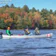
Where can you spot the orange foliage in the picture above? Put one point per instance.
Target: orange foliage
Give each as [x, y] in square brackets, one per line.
[30, 15]
[4, 15]
[8, 20]
[17, 12]
[53, 18]
[37, 16]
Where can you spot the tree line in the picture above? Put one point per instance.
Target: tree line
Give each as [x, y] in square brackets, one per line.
[19, 18]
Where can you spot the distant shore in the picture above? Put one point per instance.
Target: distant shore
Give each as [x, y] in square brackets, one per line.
[29, 29]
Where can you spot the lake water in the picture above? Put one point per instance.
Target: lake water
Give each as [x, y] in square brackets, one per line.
[28, 47]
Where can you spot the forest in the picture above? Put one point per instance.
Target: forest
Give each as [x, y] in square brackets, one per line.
[19, 18]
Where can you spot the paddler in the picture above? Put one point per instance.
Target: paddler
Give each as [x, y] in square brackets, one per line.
[8, 31]
[26, 31]
[37, 32]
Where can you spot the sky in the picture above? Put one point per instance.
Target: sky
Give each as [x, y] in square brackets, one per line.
[37, 4]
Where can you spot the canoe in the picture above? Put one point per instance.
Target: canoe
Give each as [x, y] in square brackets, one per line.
[49, 35]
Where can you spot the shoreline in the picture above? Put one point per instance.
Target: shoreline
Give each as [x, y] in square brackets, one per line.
[29, 29]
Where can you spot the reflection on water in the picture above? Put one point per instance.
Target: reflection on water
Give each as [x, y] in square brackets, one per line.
[29, 47]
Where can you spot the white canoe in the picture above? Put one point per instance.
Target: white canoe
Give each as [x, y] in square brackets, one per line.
[27, 36]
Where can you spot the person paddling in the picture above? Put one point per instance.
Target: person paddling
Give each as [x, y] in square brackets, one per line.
[8, 31]
[37, 32]
[26, 31]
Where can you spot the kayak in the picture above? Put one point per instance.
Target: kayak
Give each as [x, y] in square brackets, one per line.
[49, 35]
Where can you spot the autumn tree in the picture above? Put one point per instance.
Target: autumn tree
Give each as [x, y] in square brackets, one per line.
[2, 24]
[25, 8]
[33, 9]
[44, 14]
[12, 6]
[6, 6]
[55, 12]
[37, 18]
[51, 12]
